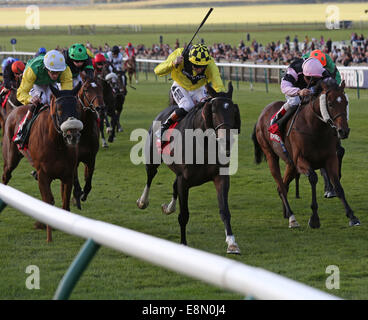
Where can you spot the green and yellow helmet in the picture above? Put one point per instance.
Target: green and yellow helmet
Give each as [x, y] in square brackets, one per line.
[199, 55]
[78, 52]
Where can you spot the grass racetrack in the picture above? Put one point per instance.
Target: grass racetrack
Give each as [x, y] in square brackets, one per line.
[258, 225]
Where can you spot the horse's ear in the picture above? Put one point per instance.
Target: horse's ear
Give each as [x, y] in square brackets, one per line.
[55, 91]
[211, 92]
[342, 85]
[207, 115]
[230, 90]
[237, 117]
[77, 88]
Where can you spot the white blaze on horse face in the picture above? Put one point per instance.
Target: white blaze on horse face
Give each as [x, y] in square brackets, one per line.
[339, 99]
[226, 106]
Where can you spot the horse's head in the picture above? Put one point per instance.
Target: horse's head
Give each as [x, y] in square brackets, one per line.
[66, 114]
[116, 83]
[334, 106]
[90, 96]
[222, 115]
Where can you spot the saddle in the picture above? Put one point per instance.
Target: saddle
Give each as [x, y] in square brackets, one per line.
[27, 128]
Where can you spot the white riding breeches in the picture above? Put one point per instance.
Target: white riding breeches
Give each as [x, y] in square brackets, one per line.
[44, 89]
[187, 99]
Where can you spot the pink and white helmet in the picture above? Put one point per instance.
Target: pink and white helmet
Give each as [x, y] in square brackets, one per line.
[312, 68]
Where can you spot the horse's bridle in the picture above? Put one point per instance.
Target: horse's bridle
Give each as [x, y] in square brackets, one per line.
[223, 123]
[55, 118]
[90, 103]
[330, 121]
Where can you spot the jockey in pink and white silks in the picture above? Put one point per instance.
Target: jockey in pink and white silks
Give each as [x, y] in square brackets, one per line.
[300, 76]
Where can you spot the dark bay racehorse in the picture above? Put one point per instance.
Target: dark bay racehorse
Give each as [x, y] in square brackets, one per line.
[217, 113]
[310, 145]
[130, 66]
[52, 145]
[114, 91]
[90, 101]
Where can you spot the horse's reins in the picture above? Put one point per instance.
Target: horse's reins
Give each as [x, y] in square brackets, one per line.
[90, 103]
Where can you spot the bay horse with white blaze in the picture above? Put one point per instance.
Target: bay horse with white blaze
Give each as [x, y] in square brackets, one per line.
[218, 115]
[52, 145]
[310, 145]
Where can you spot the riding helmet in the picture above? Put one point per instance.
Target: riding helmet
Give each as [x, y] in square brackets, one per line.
[199, 55]
[54, 61]
[78, 52]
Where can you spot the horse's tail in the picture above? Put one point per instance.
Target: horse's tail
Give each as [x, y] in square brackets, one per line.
[258, 153]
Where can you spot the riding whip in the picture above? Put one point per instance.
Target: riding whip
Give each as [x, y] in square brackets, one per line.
[186, 49]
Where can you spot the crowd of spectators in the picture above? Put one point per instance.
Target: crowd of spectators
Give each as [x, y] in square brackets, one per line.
[353, 52]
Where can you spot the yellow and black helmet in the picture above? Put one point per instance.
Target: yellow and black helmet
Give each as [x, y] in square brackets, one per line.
[199, 55]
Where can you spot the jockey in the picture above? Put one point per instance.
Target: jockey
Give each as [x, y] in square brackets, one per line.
[78, 60]
[40, 51]
[11, 73]
[115, 58]
[40, 73]
[326, 62]
[190, 73]
[297, 82]
[98, 62]
[129, 50]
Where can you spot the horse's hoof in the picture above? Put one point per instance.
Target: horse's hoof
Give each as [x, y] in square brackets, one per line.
[120, 129]
[330, 194]
[39, 225]
[77, 203]
[34, 174]
[233, 249]
[104, 145]
[83, 196]
[293, 224]
[314, 224]
[142, 205]
[167, 210]
[110, 139]
[354, 222]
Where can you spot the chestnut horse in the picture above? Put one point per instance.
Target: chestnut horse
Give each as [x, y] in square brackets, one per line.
[310, 145]
[218, 115]
[52, 145]
[91, 102]
[130, 65]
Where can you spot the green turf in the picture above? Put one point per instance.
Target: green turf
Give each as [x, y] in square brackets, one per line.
[258, 225]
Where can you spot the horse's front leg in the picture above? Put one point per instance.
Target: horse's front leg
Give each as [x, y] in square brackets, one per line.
[222, 184]
[77, 190]
[332, 170]
[329, 190]
[183, 218]
[89, 169]
[66, 191]
[44, 184]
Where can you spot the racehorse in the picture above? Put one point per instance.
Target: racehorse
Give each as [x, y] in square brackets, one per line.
[114, 91]
[130, 65]
[9, 103]
[218, 112]
[310, 145]
[52, 145]
[91, 102]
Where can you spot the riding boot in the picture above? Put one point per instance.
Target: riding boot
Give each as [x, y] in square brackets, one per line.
[277, 125]
[175, 116]
[21, 135]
